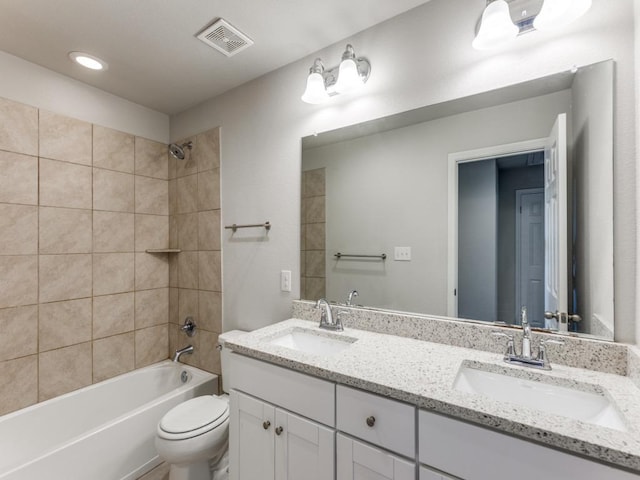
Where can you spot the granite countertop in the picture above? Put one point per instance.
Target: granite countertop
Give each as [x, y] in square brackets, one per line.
[423, 373]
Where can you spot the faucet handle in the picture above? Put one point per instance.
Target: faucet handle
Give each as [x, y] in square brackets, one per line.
[542, 351]
[511, 351]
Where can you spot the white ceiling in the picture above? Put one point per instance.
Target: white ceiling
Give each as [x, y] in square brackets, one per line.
[153, 54]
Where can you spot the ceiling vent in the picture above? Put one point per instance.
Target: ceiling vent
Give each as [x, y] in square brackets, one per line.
[224, 37]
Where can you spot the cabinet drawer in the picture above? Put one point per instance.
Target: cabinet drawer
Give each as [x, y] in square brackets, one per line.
[356, 460]
[476, 453]
[309, 396]
[378, 420]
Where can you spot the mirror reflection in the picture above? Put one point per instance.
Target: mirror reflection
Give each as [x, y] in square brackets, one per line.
[472, 208]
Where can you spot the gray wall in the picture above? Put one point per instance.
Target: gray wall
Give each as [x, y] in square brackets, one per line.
[478, 240]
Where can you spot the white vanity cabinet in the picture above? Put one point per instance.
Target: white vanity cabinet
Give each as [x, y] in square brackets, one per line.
[270, 443]
[472, 452]
[356, 460]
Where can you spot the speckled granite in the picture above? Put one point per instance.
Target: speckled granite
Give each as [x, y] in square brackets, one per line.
[423, 373]
[580, 352]
[633, 364]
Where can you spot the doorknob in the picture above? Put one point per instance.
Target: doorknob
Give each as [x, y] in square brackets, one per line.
[550, 315]
[572, 317]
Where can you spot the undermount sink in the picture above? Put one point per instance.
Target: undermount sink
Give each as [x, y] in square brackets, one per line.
[312, 341]
[571, 401]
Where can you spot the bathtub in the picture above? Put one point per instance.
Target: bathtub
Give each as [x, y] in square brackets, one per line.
[104, 431]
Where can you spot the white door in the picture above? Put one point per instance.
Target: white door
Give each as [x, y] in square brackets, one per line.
[304, 449]
[359, 461]
[556, 247]
[251, 438]
[530, 254]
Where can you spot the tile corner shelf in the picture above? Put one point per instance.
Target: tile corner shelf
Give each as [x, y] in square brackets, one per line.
[163, 250]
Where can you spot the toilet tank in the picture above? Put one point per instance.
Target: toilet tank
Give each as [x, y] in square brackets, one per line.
[224, 353]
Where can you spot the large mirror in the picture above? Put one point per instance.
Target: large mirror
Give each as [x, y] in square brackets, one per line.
[473, 208]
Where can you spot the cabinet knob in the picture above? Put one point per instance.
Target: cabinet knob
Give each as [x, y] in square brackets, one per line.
[279, 430]
[371, 421]
[266, 424]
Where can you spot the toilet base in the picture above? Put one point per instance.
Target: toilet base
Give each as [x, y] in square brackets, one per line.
[192, 471]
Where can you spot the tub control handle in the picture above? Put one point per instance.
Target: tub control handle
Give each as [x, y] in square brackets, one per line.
[266, 424]
[371, 421]
[279, 430]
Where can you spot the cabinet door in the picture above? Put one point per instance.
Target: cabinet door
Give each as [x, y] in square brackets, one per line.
[304, 449]
[251, 438]
[359, 461]
[428, 474]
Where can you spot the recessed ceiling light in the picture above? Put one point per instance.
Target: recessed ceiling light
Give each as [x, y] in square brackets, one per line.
[88, 61]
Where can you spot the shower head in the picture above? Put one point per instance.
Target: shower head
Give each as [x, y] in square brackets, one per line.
[178, 150]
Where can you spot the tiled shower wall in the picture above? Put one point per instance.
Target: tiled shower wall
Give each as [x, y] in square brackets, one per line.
[80, 300]
[313, 243]
[195, 273]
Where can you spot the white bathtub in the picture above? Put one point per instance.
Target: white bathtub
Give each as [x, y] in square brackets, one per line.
[102, 432]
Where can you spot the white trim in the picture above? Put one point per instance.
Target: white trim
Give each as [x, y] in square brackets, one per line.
[467, 156]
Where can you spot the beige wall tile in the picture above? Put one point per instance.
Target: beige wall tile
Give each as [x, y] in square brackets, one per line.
[113, 191]
[315, 287]
[173, 270]
[18, 127]
[113, 232]
[113, 273]
[18, 178]
[174, 299]
[113, 314]
[18, 229]
[152, 345]
[64, 370]
[64, 323]
[152, 159]
[173, 166]
[152, 231]
[314, 182]
[65, 138]
[209, 271]
[207, 151]
[64, 277]
[64, 230]
[188, 270]
[188, 305]
[113, 356]
[209, 230]
[315, 210]
[206, 356]
[152, 196]
[113, 150]
[19, 337]
[210, 311]
[315, 263]
[173, 196]
[64, 184]
[187, 229]
[187, 194]
[18, 280]
[152, 307]
[152, 271]
[188, 166]
[18, 383]
[315, 236]
[173, 231]
[209, 190]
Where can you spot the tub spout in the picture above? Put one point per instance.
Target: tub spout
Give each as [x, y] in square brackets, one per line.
[186, 350]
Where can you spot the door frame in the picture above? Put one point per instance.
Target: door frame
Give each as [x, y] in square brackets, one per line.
[518, 297]
[454, 159]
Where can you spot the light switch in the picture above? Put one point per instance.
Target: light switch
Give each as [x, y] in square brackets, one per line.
[285, 280]
[402, 254]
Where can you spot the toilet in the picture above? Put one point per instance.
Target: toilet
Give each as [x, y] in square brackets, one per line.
[193, 437]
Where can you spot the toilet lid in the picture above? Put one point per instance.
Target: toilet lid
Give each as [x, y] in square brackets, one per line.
[195, 414]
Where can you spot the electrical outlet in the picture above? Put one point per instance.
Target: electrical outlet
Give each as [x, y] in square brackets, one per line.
[402, 254]
[285, 280]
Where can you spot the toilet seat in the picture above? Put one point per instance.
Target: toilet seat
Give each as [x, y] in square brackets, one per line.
[193, 417]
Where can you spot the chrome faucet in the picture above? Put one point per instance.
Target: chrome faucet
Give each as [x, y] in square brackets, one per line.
[526, 333]
[188, 350]
[352, 293]
[326, 317]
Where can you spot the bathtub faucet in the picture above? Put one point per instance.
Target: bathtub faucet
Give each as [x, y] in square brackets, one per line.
[186, 350]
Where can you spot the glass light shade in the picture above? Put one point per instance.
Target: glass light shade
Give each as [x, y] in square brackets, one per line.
[496, 27]
[348, 76]
[558, 13]
[88, 61]
[315, 92]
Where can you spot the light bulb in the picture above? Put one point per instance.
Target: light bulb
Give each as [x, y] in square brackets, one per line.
[496, 27]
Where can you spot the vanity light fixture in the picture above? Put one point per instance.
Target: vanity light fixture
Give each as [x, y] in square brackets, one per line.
[351, 74]
[497, 27]
[88, 61]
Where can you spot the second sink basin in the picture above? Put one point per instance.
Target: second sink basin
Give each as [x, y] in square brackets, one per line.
[571, 401]
[313, 342]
